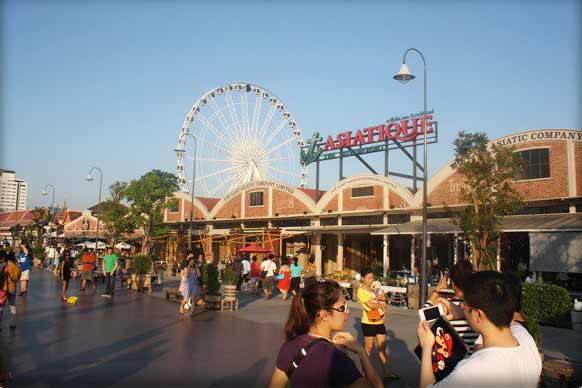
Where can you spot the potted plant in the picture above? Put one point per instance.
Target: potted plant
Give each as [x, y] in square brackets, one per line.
[212, 297]
[230, 281]
[141, 267]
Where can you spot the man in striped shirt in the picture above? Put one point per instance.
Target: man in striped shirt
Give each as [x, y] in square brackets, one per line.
[459, 274]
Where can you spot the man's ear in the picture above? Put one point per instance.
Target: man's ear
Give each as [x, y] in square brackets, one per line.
[479, 315]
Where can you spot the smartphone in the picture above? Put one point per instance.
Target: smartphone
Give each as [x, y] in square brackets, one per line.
[431, 313]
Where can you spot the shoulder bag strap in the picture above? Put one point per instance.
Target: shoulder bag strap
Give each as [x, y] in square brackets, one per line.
[294, 364]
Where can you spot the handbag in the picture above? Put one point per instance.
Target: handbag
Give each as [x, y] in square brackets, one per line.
[3, 292]
[373, 315]
[281, 276]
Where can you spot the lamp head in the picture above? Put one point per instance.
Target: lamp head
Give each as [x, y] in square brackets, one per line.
[89, 178]
[404, 74]
[44, 192]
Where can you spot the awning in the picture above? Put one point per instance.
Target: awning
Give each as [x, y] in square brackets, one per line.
[560, 222]
[354, 229]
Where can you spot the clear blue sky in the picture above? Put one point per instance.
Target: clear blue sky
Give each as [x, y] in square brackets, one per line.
[108, 83]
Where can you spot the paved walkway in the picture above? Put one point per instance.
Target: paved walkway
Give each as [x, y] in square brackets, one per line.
[140, 340]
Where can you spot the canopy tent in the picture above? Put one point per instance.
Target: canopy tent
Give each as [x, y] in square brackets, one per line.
[254, 248]
[84, 244]
[100, 245]
[122, 245]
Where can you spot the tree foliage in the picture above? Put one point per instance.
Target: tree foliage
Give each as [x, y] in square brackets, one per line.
[488, 171]
[117, 217]
[149, 196]
[40, 218]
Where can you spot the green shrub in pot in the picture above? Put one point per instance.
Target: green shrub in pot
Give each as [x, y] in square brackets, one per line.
[229, 278]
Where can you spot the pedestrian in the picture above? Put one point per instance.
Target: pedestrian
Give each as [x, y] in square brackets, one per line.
[237, 268]
[459, 274]
[296, 269]
[509, 357]
[372, 323]
[284, 278]
[66, 271]
[310, 272]
[161, 271]
[255, 275]
[57, 260]
[5, 375]
[189, 287]
[11, 275]
[109, 267]
[25, 263]
[246, 264]
[268, 268]
[88, 261]
[311, 355]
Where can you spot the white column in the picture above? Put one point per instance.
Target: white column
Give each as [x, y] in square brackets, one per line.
[386, 254]
[316, 251]
[340, 251]
[243, 199]
[499, 253]
[456, 248]
[270, 209]
[412, 258]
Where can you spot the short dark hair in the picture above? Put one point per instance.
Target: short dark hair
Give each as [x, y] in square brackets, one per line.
[490, 292]
[366, 270]
[460, 272]
[514, 285]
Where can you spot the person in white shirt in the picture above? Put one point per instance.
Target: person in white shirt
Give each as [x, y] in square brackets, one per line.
[508, 357]
[246, 264]
[268, 268]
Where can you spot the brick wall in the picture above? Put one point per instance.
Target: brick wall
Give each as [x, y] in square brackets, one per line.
[286, 204]
[447, 192]
[257, 211]
[395, 201]
[363, 203]
[230, 208]
[578, 161]
[554, 186]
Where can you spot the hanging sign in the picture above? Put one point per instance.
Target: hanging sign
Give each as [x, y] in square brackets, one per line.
[397, 132]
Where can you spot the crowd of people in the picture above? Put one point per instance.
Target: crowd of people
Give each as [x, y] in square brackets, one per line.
[485, 311]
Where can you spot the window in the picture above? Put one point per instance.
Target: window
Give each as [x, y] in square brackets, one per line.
[366, 191]
[363, 220]
[257, 198]
[173, 207]
[536, 164]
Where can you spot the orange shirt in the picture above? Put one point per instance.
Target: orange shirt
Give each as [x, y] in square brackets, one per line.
[88, 261]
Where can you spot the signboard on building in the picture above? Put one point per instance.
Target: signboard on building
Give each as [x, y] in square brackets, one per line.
[397, 132]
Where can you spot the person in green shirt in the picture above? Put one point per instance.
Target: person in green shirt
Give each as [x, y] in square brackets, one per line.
[109, 268]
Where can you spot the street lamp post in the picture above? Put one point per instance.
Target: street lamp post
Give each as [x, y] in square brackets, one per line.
[90, 179]
[44, 192]
[404, 76]
[180, 148]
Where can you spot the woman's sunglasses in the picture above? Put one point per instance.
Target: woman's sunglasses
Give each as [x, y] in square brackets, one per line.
[342, 309]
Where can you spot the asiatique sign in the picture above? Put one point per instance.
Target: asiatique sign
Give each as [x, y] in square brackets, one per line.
[396, 131]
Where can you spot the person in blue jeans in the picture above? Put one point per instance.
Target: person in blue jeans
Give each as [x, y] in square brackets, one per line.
[25, 264]
[296, 269]
[110, 265]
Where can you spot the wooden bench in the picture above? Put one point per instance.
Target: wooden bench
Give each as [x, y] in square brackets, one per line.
[173, 292]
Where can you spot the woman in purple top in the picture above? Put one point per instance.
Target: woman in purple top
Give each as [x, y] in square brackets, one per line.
[310, 356]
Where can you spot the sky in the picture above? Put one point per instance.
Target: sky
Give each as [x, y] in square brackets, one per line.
[108, 84]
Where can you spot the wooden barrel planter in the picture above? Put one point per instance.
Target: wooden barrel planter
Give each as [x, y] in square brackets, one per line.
[230, 297]
[212, 301]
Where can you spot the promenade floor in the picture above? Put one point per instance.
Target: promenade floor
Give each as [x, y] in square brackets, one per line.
[140, 340]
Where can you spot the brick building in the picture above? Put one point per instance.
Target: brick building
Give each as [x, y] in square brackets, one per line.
[371, 219]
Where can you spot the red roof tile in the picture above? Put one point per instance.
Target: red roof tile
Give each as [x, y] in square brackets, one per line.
[312, 193]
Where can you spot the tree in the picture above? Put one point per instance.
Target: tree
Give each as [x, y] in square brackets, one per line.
[488, 171]
[117, 217]
[149, 196]
[40, 219]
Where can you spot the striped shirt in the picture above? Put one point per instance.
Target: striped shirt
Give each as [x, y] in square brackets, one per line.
[468, 335]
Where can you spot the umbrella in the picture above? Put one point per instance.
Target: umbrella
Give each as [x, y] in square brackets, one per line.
[254, 248]
[122, 245]
[100, 245]
[85, 243]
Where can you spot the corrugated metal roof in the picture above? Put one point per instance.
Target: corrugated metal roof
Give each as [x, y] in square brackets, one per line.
[561, 222]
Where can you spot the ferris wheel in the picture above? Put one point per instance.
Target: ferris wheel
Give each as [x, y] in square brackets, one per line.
[242, 133]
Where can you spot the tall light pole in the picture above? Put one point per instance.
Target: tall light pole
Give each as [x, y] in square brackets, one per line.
[404, 76]
[90, 179]
[44, 192]
[180, 149]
